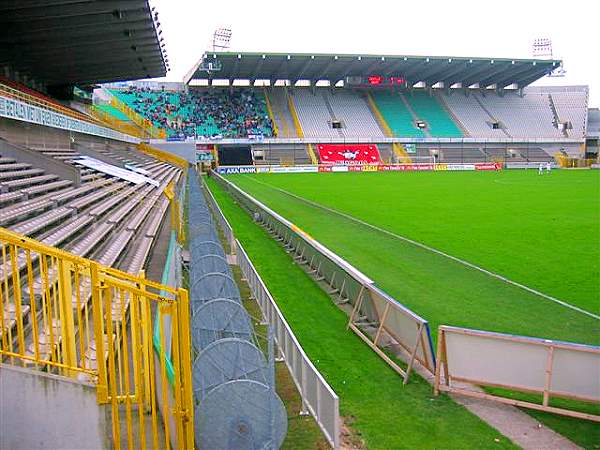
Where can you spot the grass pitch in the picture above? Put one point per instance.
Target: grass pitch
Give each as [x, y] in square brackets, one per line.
[540, 231]
[383, 413]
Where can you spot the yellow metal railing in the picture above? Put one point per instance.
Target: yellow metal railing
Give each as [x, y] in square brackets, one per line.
[379, 117]
[74, 317]
[116, 124]
[401, 154]
[271, 114]
[139, 120]
[292, 108]
[163, 155]
[312, 154]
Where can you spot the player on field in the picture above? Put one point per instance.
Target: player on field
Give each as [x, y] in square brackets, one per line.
[548, 167]
[541, 169]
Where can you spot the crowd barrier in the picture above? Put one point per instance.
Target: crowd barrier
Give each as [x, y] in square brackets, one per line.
[375, 317]
[318, 398]
[518, 363]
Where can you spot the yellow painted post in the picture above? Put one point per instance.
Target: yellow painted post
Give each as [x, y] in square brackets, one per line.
[17, 298]
[67, 324]
[164, 309]
[146, 344]
[186, 366]
[294, 114]
[312, 154]
[270, 112]
[137, 349]
[401, 153]
[179, 411]
[98, 315]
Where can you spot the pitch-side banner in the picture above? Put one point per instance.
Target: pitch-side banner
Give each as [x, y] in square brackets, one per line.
[330, 168]
[348, 154]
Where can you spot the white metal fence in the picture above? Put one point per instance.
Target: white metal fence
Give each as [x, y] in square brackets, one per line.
[317, 396]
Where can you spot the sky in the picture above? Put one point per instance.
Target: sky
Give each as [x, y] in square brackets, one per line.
[434, 28]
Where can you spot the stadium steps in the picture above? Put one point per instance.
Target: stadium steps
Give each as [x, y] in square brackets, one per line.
[442, 101]
[556, 119]
[396, 115]
[490, 115]
[279, 104]
[428, 108]
[327, 103]
[85, 243]
[413, 113]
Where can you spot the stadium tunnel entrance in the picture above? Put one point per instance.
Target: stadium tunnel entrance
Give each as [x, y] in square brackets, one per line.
[235, 155]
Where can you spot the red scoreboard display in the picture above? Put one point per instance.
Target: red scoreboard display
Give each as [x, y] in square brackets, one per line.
[375, 80]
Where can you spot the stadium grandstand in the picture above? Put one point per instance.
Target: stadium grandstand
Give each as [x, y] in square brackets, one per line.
[447, 110]
[88, 217]
[130, 314]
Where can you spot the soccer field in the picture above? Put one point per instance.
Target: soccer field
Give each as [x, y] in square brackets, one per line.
[539, 231]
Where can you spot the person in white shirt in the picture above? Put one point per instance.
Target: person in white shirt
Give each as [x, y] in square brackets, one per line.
[548, 167]
[541, 169]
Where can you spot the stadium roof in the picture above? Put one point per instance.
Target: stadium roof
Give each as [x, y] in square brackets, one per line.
[58, 42]
[501, 72]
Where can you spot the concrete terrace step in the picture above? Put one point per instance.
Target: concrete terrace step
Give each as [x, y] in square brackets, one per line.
[15, 184]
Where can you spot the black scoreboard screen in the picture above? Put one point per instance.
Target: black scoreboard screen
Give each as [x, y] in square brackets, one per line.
[375, 80]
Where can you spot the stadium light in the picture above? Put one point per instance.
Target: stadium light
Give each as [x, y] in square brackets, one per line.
[221, 39]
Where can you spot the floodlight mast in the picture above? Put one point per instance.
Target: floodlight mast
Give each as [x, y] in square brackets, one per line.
[542, 48]
[221, 39]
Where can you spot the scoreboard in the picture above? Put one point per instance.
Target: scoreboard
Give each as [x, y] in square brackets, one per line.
[375, 81]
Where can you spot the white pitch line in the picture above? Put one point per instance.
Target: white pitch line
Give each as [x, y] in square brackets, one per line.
[433, 250]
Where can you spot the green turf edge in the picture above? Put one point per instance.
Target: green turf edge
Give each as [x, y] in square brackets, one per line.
[303, 433]
[581, 432]
[386, 414]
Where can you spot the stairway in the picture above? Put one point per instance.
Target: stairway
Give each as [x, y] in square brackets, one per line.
[456, 120]
[489, 114]
[555, 119]
[412, 113]
[281, 113]
[331, 113]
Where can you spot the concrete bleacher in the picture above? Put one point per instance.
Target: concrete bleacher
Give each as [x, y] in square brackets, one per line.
[354, 113]
[396, 114]
[283, 118]
[428, 108]
[529, 116]
[313, 114]
[535, 114]
[473, 117]
[317, 109]
[110, 220]
[571, 104]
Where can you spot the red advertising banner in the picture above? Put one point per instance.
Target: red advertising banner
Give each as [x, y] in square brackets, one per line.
[488, 166]
[348, 154]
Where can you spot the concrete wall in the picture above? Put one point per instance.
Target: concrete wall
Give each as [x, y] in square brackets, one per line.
[42, 411]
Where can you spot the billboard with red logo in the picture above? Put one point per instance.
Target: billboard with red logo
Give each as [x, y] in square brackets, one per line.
[348, 154]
